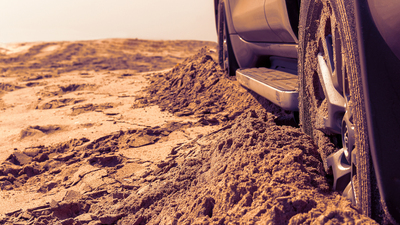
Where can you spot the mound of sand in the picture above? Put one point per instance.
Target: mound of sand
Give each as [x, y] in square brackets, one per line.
[199, 87]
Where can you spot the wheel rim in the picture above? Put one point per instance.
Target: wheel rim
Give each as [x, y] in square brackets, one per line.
[343, 162]
[313, 105]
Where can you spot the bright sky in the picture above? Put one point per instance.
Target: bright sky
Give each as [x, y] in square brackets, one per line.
[55, 20]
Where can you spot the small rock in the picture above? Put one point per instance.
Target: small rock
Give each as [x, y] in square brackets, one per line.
[65, 157]
[10, 178]
[150, 178]
[212, 120]
[96, 194]
[138, 220]
[105, 160]
[10, 168]
[41, 157]
[185, 112]
[72, 195]
[13, 212]
[25, 215]
[29, 170]
[144, 189]
[69, 221]
[53, 204]
[162, 163]
[202, 121]
[110, 218]
[112, 114]
[233, 115]
[45, 206]
[5, 185]
[55, 171]
[73, 160]
[97, 222]
[33, 151]
[66, 209]
[119, 195]
[19, 158]
[141, 140]
[86, 218]
[41, 212]
[82, 171]
[47, 186]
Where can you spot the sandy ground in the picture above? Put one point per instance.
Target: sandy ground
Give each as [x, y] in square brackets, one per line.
[127, 131]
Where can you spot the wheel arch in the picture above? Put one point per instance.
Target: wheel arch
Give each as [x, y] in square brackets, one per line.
[228, 15]
[293, 11]
[216, 3]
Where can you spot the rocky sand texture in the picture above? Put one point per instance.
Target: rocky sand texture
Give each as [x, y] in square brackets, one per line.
[228, 156]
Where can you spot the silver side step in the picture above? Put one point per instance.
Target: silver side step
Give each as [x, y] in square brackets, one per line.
[279, 87]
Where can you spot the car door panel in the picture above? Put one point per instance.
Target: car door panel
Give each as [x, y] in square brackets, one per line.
[249, 21]
[278, 20]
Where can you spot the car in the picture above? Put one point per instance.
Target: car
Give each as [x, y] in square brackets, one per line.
[337, 63]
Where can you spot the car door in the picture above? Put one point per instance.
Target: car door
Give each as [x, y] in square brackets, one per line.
[249, 21]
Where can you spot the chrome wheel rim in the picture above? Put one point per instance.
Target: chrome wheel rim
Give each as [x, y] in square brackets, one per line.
[332, 70]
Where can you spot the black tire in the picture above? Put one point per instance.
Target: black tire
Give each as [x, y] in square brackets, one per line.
[226, 57]
[319, 18]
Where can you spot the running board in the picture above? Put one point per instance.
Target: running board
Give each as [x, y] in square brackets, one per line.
[279, 87]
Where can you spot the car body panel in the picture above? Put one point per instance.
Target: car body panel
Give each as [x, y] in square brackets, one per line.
[249, 21]
[385, 14]
[258, 20]
[278, 20]
[251, 46]
[261, 21]
[248, 53]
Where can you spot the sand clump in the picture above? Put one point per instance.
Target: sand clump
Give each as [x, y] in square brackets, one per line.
[58, 103]
[255, 171]
[23, 165]
[250, 167]
[199, 87]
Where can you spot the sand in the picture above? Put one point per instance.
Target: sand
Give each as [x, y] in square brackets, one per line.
[127, 131]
